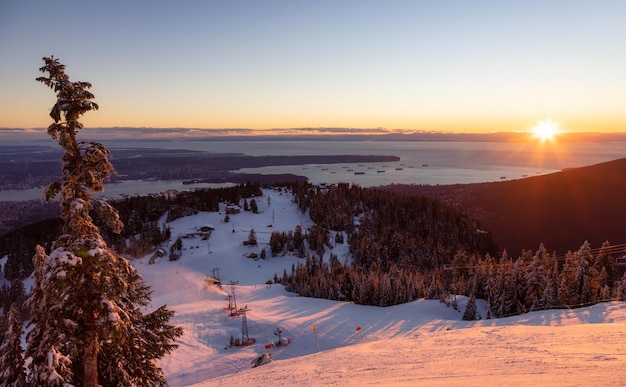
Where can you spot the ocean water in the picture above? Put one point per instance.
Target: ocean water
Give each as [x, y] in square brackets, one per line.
[441, 162]
[420, 162]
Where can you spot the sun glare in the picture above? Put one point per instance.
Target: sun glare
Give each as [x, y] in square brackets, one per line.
[545, 130]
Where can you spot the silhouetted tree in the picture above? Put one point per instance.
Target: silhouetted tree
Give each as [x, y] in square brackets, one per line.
[471, 312]
[253, 206]
[252, 238]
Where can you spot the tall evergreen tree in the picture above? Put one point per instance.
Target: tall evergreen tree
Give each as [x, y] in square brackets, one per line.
[253, 206]
[12, 372]
[252, 241]
[536, 279]
[605, 260]
[93, 328]
[48, 366]
[620, 290]
[471, 311]
[584, 274]
[550, 297]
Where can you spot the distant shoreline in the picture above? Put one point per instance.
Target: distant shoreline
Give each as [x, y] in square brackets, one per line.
[299, 134]
[158, 164]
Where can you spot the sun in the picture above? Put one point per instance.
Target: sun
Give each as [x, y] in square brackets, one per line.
[545, 130]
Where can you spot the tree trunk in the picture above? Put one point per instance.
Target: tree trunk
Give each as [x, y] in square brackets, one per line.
[91, 352]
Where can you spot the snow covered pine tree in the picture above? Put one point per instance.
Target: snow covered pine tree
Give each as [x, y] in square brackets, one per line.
[11, 359]
[86, 302]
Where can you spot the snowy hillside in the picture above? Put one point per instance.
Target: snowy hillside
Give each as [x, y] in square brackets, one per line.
[422, 342]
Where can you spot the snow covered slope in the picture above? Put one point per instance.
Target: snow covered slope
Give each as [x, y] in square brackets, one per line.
[422, 342]
[516, 355]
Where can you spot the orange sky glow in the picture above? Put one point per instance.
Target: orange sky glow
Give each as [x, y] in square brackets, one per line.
[460, 67]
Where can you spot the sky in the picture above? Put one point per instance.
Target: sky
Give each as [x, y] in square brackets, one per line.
[450, 66]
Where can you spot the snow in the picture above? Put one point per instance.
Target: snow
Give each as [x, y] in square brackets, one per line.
[95, 251]
[510, 355]
[419, 343]
[3, 262]
[62, 256]
[77, 204]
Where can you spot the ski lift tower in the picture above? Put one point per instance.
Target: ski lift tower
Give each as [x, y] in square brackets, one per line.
[216, 271]
[244, 326]
[232, 302]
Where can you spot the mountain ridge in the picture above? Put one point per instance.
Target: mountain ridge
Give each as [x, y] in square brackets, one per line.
[561, 209]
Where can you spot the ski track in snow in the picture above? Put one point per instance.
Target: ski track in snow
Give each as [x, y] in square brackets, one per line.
[418, 343]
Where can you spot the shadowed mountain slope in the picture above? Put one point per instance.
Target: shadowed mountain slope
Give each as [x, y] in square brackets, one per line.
[562, 209]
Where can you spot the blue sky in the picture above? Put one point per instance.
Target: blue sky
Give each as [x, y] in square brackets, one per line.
[461, 66]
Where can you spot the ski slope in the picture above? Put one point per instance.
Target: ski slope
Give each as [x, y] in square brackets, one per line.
[419, 343]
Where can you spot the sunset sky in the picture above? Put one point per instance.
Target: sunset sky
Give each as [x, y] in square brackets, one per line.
[452, 66]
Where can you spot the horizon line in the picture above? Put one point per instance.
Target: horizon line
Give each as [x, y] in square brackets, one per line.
[182, 133]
